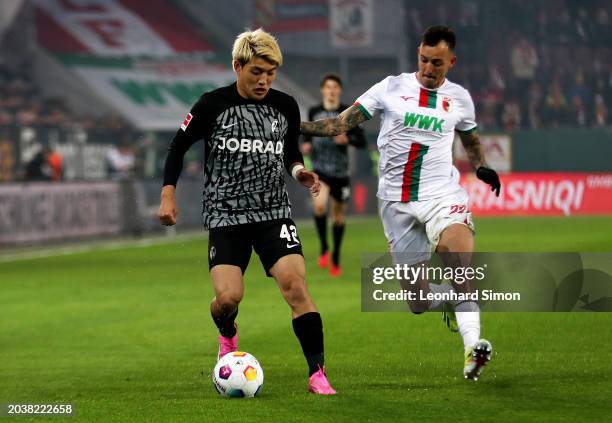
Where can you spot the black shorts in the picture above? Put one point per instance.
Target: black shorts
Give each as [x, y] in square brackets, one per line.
[271, 240]
[339, 188]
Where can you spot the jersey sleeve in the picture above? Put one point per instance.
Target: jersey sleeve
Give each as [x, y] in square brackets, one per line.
[191, 130]
[467, 121]
[372, 100]
[292, 153]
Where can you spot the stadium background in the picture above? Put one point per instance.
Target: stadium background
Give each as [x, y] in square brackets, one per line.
[91, 92]
[88, 85]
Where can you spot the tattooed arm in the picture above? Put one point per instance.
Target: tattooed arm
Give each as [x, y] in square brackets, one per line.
[473, 148]
[330, 127]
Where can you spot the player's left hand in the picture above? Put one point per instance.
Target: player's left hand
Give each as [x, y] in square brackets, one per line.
[341, 139]
[310, 180]
[489, 176]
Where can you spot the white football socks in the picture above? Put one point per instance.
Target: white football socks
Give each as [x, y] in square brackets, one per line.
[468, 320]
[467, 312]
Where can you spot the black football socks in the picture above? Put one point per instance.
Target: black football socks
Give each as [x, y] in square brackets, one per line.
[225, 323]
[321, 223]
[338, 231]
[309, 330]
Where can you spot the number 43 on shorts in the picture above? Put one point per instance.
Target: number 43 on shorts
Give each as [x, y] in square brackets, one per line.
[290, 234]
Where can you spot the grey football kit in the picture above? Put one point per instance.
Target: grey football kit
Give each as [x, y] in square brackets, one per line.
[330, 160]
[248, 144]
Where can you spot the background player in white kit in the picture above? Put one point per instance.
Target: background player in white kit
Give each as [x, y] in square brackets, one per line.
[423, 207]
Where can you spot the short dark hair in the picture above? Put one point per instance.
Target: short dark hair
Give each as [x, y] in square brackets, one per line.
[434, 34]
[333, 77]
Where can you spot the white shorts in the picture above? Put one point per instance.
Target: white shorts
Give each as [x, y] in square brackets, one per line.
[415, 227]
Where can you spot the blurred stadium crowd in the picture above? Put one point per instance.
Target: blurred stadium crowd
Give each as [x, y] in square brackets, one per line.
[535, 64]
[528, 65]
[24, 110]
[23, 104]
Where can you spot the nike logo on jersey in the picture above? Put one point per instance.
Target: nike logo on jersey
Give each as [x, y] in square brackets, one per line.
[403, 97]
[292, 245]
[228, 126]
[423, 121]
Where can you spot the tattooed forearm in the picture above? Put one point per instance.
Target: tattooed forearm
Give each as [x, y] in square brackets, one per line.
[345, 121]
[473, 148]
[322, 127]
[352, 117]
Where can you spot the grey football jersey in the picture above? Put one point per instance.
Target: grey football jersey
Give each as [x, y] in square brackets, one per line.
[247, 146]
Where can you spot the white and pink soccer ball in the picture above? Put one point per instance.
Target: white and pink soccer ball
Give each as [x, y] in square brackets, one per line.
[238, 374]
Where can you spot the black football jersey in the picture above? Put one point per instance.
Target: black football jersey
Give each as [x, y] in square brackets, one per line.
[247, 146]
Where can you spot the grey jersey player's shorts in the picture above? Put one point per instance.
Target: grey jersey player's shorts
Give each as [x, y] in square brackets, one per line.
[415, 227]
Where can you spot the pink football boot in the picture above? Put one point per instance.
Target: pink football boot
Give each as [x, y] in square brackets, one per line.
[318, 384]
[228, 345]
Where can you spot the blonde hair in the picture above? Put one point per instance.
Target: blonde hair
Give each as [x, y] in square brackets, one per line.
[258, 43]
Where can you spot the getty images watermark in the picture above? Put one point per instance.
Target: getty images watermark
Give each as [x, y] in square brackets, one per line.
[497, 281]
[412, 274]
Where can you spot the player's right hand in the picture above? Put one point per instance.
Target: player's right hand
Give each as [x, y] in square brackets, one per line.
[167, 213]
[167, 209]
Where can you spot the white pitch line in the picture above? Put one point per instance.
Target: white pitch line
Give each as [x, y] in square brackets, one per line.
[97, 246]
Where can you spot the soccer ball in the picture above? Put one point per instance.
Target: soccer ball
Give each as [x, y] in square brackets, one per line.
[238, 374]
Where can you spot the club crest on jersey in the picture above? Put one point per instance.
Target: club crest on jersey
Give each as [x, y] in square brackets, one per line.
[186, 121]
[274, 127]
[447, 104]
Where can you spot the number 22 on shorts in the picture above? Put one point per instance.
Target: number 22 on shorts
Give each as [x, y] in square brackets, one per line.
[457, 208]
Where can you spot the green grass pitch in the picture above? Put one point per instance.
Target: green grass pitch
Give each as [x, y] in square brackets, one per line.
[125, 335]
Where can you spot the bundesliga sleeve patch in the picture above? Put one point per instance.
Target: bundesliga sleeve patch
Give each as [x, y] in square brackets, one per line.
[186, 121]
